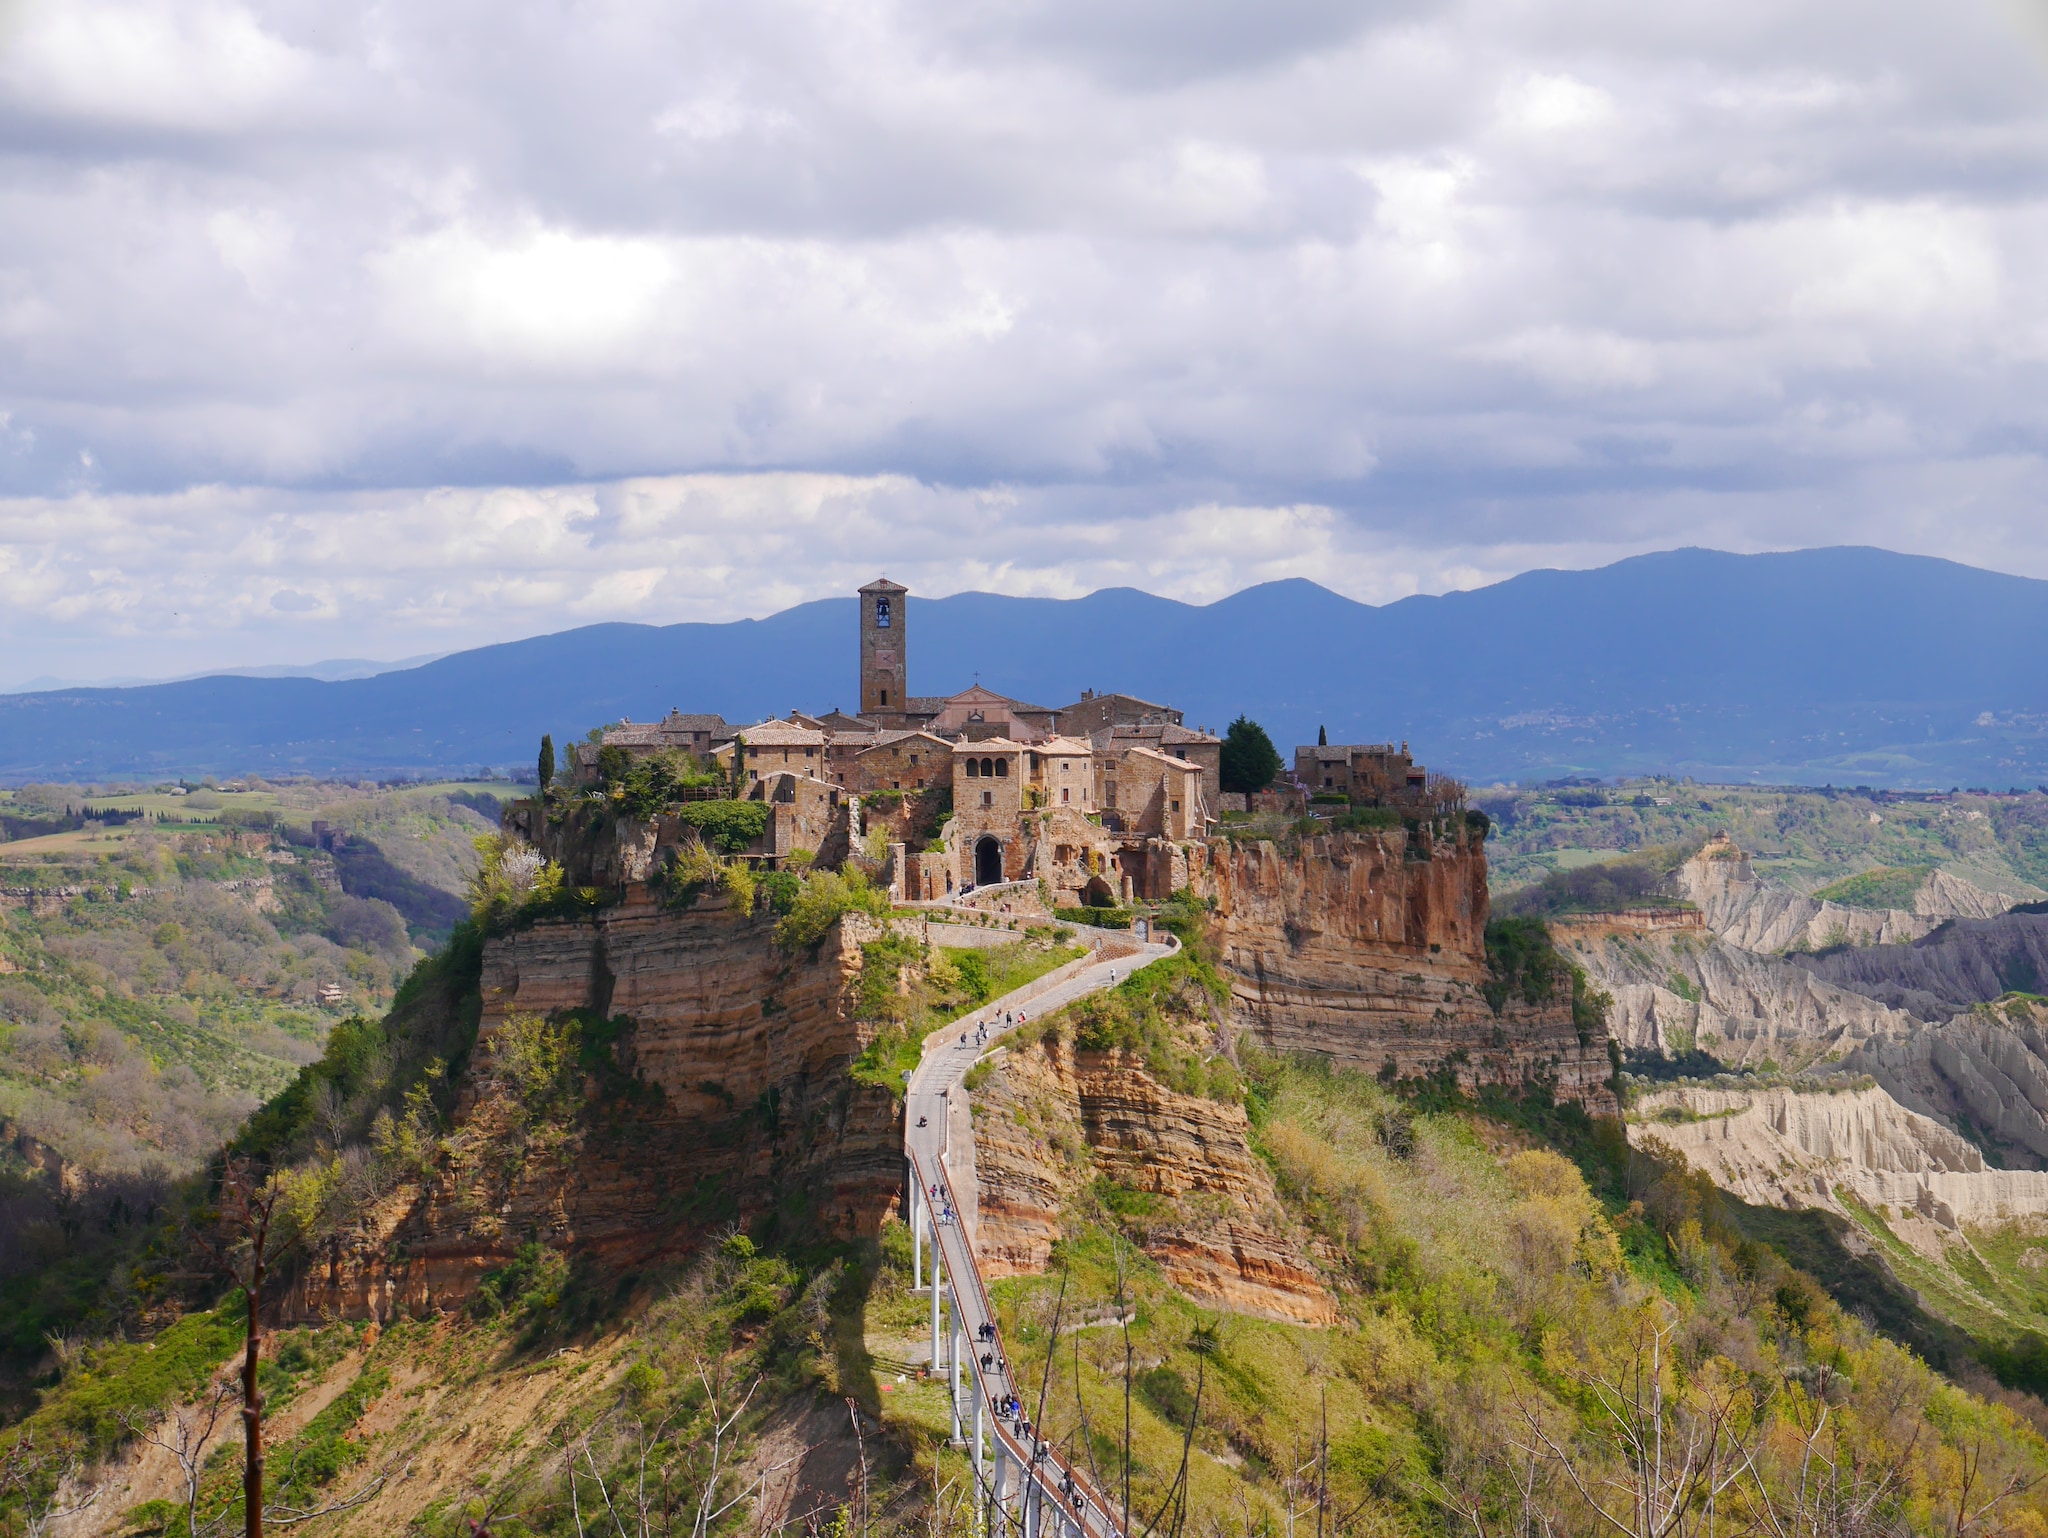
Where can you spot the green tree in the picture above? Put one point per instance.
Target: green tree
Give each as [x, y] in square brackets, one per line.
[547, 760]
[1250, 761]
[1322, 736]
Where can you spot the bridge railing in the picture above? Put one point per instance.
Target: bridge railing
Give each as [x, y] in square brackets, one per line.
[1039, 1461]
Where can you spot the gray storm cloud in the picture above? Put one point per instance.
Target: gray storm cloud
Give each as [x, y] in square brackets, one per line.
[443, 322]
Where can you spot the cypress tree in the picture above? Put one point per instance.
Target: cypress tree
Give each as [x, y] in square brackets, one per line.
[1249, 760]
[547, 760]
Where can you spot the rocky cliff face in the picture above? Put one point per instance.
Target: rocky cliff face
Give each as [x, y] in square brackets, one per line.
[1053, 1119]
[726, 1094]
[1760, 916]
[1985, 1070]
[1966, 962]
[1800, 1148]
[1370, 949]
[1678, 990]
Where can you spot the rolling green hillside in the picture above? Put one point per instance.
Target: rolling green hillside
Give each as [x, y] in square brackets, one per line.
[1804, 838]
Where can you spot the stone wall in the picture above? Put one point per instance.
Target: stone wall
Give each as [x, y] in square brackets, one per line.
[1369, 949]
[917, 761]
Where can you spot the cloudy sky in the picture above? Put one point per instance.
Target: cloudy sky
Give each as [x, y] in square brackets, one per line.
[373, 330]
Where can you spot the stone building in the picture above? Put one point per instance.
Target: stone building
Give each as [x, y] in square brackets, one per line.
[804, 813]
[980, 712]
[884, 652]
[895, 761]
[1062, 770]
[1370, 774]
[1094, 712]
[1147, 792]
[988, 775]
[1175, 741]
[678, 731]
[774, 745]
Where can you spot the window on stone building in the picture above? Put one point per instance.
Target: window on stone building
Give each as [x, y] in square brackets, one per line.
[973, 768]
[1176, 806]
[1002, 768]
[885, 696]
[882, 621]
[1063, 794]
[988, 798]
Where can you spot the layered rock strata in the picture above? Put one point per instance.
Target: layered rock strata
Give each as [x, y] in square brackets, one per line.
[1680, 989]
[1986, 1070]
[726, 1095]
[1969, 961]
[1054, 1118]
[1369, 949]
[1803, 1147]
[1757, 915]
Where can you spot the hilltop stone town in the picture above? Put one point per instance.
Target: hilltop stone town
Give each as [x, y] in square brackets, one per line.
[1094, 802]
[1344, 909]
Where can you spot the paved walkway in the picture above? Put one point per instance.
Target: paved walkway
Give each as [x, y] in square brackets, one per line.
[935, 1106]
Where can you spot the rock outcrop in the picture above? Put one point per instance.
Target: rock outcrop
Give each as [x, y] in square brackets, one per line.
[726, 1094]
[1801, 1147]
[1053, 1119]
[1369, 949]
[1965, 962]
[1681, 989]
[1760, 916]
[1986, 1070]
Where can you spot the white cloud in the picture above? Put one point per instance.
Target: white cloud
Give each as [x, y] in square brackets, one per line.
[1031, 293]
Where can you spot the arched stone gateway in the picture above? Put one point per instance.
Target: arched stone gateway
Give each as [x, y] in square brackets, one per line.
[1098, 894]
[988, 860]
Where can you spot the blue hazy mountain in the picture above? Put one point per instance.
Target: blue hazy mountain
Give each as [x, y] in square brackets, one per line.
[1850, 666]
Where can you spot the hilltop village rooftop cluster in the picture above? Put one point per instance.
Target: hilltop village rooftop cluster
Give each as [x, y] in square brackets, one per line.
[1088, 800]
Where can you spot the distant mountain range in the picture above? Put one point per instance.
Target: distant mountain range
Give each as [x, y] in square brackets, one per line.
[333, 670]
[1844, 666]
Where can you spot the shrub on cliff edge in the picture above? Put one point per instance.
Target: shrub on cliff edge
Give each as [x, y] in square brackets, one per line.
[826, 895]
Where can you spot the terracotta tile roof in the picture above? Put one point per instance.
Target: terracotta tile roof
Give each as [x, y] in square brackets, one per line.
[678, 721]
[1164, 758]
[1130, 699]
[774, 733]
[890, 739]
[633, 734]
[1155, 731]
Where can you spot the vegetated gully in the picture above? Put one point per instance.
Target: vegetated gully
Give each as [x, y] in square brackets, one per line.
[1027, 1471]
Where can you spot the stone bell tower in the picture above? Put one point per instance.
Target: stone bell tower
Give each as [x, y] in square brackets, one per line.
[884, 656]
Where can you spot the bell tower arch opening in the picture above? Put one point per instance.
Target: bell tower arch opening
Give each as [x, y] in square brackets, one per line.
[884, 650]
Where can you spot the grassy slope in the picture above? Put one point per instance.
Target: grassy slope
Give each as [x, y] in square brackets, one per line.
[1815, 837]
[947, 985]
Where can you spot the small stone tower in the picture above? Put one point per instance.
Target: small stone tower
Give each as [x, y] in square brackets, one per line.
[884, 654]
